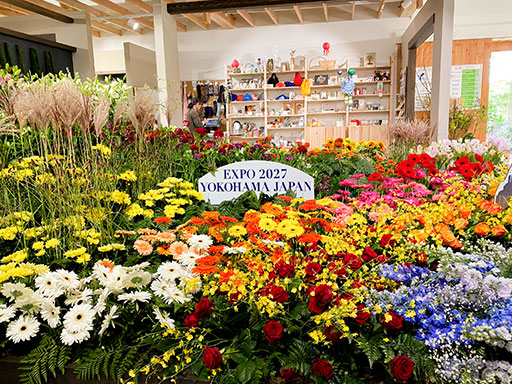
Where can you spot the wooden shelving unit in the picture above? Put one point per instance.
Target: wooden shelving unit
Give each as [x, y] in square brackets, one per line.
[323, 114]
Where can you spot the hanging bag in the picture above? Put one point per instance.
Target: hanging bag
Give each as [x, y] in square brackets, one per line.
[305, 88]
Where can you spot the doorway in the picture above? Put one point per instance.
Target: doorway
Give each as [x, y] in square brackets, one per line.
[499, 121]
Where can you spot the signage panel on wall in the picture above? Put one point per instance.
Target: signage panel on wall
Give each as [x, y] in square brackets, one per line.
[268, 177]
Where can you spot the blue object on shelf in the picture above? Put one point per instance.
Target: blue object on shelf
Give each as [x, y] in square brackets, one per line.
[282, 97]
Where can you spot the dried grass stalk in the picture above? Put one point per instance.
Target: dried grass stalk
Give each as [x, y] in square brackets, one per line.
[408, 131]
[141, 111]
[66, 106]
[100, 114]
[119, 111]
[40, 100]
[22, 106]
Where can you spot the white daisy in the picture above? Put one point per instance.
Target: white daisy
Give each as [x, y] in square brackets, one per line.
[137, 296]
[190, 282]
[188, 259]
[136, 279]
[200, 241]
[101, 273]
[30, 302]
[106, 321]
[174, 295]
[170, 270]
[49, 284]
[6, 313]
[79, 318]
[101, 304]
[50, 314]
[22, 329]
[234, 250]
[138, 266]
[79, 297]
[163, 318]
[159, 286]
[115, 278]
[68, 279]
[69, 337]
[14, 291]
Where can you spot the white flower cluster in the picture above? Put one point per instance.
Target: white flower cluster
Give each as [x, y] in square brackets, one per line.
[61, 299]
[450, 148]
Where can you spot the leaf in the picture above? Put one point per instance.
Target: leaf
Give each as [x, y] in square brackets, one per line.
[238, 358]
[245, 371]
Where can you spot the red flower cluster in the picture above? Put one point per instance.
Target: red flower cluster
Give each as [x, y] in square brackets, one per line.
[402, 368]
[212, 357]
[468, 169]
[203, 309]
[273, 331]
[417, 166]
[322, 368]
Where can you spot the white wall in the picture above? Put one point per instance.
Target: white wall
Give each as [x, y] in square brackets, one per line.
[140, 65]
[203, 54]
[476, 19]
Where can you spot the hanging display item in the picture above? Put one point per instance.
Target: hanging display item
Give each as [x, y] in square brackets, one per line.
[326, 48]
[305, 87]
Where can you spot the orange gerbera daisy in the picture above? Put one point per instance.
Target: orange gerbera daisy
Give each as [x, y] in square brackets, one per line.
[490, 207]
[163, 250]
[272, 209]
[143, 247]
[163, 219]
[309, 238]
[197, 221]
[205, 269]
[149, 237]
[166, 237]
[178, 248]
[215, 234]
[208, 260]
[106, 263]
[147, 231]
[229, 218]
[310, 205]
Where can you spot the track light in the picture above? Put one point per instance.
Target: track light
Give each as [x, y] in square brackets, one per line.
[132, 23]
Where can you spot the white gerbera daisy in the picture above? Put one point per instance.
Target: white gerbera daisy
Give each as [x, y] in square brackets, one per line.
[14, 291]
[107, 320]
[30, 302]
[69, 337]
[163, 318]
[50, 313]
[200, 242]
[174, 295]
[22, 329]
[136, 296]
[138, 266]
[188, 259]
[136, 279]
[101, 273]
[115, 278]
[6, 313]
[79, 297]
[159, 286]
[49, 284]
[170, 270]
[101, 304]
[68, 279]
[79, 318]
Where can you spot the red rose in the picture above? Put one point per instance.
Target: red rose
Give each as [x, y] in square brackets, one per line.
[279, 294]
[212, 357]
[386, 240]
[273, 331]
[369, 254]
[289, 375]
[362, 316]
[331, 335]
[284, 270]
[322, 368]
[321, 299]
[401, 368]
[396, 321]
[204, 308]
[352, 261]
[191, 321]
[312, 269]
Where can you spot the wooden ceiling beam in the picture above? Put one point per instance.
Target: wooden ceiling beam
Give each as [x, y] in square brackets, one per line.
[381, 8]
[326, 12]
[106, 28]
[272, 15]
[16, 10]
[145, 22]
[181, 27]
[124, 11]
[141, 5]
[207, 18]
[40, 10]
[8, 12]
[247, 17]
[409, 11]
[95, 32]
[181, 7]
[298, 12]
[223, 20]
[193, 18]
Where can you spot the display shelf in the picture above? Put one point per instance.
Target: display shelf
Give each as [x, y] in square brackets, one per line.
[379, 111]
[287, 100]
[318, 70]
[372, 82]
[324, 100]
[285, 128]
[247, 102]
[254, 74]
[281, 88]
[372, 68]
[245, 89]
[289, 72]
[283, 116]
[246, 117]
[372, 95]
[326, 113]
[244, 137]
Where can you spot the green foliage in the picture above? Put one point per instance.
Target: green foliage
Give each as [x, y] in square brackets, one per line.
[19, 57]
[35, 68]
[112, 362]
[49, 357]
[48, 62]
[299, 357]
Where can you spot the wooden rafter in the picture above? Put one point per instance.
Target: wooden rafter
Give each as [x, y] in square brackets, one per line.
[181, 27]
[15, 9]
[142, 5]
[353, 10]
[106, 28]
[272, 15]
[8, 12]
[326, 12]
[409, 11]
[207, 18]
[381, 8]
[298, 12]
[224, 21]
[247, 17]
[196, 20]
[123, 11]
[40, 10]
[95, 32]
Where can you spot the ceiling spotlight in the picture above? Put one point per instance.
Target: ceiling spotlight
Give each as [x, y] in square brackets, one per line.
[132, 23]
[406, 4]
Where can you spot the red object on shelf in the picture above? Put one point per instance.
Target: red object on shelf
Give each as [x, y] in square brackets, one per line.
[356, 122]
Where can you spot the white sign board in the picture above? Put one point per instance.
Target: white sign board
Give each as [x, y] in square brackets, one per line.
[268, 177]
[504, 191]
